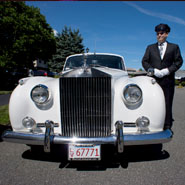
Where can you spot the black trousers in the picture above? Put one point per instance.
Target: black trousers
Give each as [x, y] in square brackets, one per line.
[169, 94]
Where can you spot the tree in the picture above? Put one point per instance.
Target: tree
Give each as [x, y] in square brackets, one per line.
[67, 43]
[24, 35]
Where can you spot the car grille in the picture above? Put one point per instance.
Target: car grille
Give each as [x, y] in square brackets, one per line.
[85, 106]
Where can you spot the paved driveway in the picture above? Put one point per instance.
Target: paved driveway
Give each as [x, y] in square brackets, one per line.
[4, 99]
[18, 166]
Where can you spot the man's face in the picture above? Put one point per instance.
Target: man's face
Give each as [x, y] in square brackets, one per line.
[161, 36]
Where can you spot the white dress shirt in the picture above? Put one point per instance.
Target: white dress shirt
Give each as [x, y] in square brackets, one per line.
[164, 46]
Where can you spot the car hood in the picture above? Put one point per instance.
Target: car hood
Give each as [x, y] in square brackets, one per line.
[95, 72]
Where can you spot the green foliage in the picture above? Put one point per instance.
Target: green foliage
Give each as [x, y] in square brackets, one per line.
[180, 83]
[177, 82]
[5, 92]
[183, 83]
[24, 35]
[4, 118]
[67, 43]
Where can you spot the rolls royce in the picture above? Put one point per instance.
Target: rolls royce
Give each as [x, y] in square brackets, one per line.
[93, 103]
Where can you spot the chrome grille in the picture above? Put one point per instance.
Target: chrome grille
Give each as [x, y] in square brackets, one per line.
[85, 106]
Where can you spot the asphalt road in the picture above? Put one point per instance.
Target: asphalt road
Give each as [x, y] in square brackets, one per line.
[19, 166]
[4, 99]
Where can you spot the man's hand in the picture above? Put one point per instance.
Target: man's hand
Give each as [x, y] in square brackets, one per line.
[161, 73]
[158, 73]
[165, 72]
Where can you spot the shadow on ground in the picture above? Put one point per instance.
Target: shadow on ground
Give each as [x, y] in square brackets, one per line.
[109, 158]
[2, 129]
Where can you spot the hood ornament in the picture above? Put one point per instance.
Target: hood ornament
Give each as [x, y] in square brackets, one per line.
[85, 62]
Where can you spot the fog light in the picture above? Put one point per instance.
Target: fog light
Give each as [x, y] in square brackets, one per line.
[29, 123]
[142, 123]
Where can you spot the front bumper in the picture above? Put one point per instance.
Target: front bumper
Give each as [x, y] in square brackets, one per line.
[120, 139]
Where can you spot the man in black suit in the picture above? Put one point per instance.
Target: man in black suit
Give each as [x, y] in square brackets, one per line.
[163, 59]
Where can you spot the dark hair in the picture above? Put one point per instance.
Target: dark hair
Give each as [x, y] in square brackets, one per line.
[162, 27]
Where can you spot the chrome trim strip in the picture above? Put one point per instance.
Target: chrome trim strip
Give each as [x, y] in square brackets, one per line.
[43, 125]
[129, 139]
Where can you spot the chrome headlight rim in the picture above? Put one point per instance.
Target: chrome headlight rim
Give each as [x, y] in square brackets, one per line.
[132, 104]
[43, 100]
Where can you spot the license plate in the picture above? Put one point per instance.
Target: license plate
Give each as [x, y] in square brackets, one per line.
[84, 152]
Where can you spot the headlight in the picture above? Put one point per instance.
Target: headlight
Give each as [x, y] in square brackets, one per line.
[40, 94]
[132, 96]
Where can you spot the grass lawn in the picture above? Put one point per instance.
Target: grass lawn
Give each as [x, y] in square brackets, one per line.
[4, 117]
[5, 92]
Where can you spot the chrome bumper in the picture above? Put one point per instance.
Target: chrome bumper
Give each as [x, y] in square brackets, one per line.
[119, 139]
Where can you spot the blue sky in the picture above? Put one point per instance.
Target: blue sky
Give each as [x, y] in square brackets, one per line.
[120, 27]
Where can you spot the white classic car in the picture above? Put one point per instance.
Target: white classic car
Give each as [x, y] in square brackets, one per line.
[93, 103]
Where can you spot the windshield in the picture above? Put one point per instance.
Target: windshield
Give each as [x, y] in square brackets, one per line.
[115, 62]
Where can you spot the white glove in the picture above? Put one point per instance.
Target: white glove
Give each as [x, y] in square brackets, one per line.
[158, 73]
[161, 73]
[165, 72]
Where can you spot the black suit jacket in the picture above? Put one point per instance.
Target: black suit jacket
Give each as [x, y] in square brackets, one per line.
[172, 60]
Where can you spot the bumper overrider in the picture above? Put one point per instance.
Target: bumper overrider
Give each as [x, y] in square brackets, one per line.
[119, 139]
